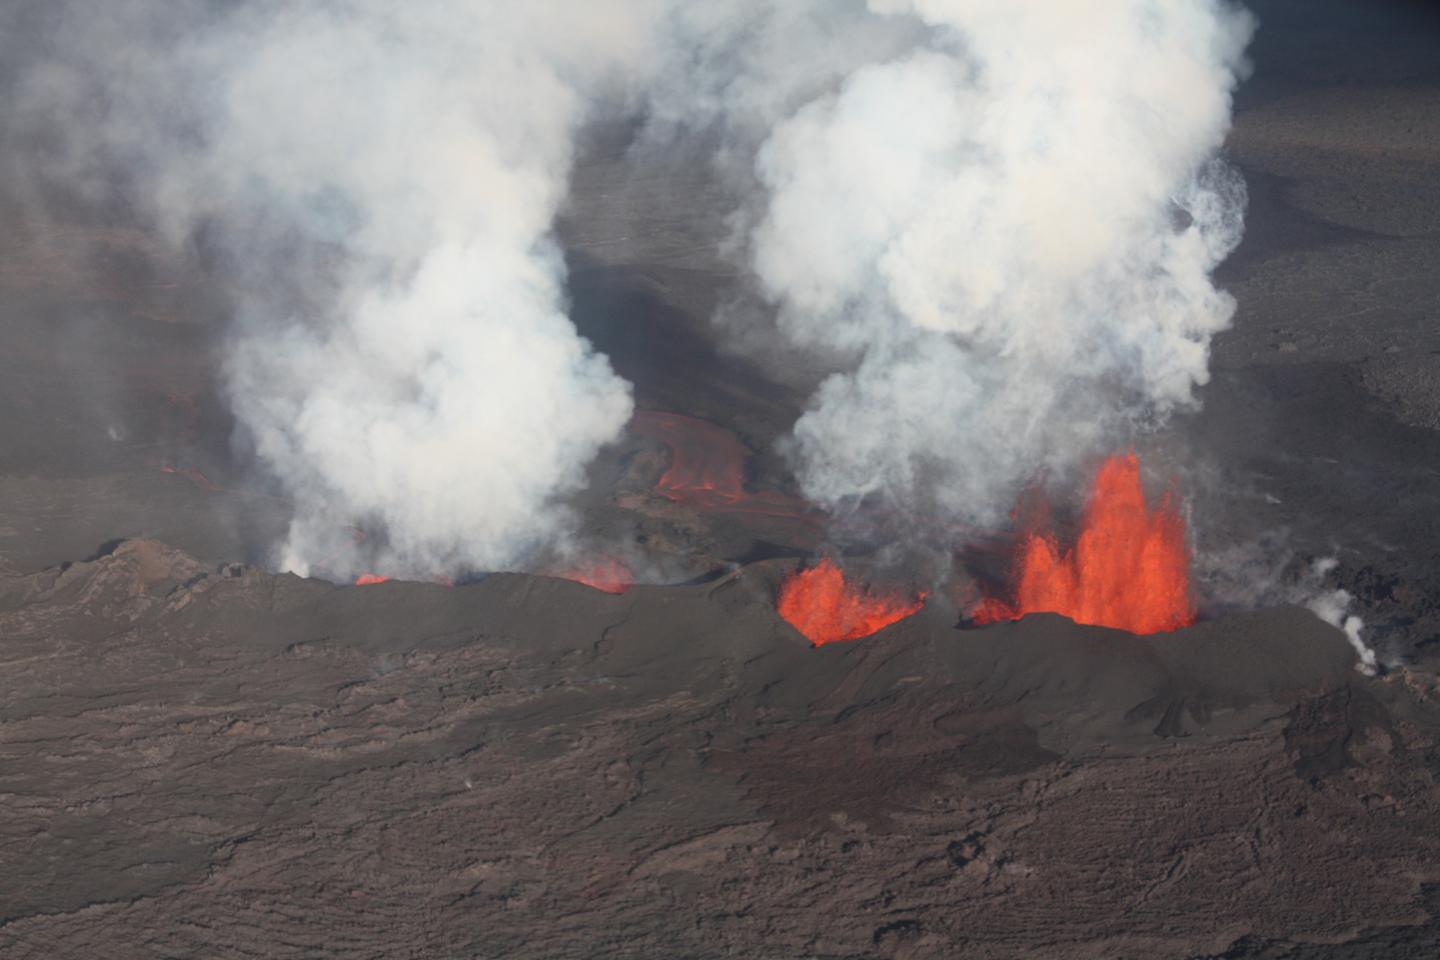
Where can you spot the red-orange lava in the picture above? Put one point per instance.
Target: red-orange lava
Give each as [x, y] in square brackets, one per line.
[707, 462]
[607, 574]
[366, 579]
[820, 604]
[707, 468]
[1130, 568]
[194, 476]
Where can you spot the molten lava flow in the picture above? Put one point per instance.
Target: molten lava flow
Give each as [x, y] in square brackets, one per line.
[1130, 568]
[194, 476]
[707, 462]
[820, 604]
[607, 574]
[707, 468]
[365, 579]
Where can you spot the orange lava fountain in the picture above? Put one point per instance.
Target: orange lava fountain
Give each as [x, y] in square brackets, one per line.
[820, 604]
[607, 574]
[366, 579]
[1130, 568]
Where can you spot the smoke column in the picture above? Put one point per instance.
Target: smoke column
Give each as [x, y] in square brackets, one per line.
[991, 223]
[381, 180]
[1002, 237]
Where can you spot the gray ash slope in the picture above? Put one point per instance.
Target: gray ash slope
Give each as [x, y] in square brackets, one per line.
[229, 763]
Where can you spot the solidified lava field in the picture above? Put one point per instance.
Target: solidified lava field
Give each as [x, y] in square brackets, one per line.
[238, 762]
[203, 757]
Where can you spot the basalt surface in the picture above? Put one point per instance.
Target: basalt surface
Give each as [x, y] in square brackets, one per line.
[222, 762]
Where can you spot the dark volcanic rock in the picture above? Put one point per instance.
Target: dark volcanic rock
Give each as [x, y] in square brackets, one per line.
[226, 763]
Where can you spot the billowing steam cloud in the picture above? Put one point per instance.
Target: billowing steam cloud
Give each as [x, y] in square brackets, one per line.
[446, 399]
[994, 221]
[1005, 237]
[382, 179]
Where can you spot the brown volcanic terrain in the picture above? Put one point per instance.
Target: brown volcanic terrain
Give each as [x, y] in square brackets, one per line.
[199, 758]
[228, 763]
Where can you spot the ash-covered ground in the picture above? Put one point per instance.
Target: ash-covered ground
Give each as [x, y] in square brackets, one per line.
[229, 763]
[202, 758]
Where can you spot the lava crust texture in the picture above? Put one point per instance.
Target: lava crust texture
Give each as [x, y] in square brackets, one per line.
[227, 763]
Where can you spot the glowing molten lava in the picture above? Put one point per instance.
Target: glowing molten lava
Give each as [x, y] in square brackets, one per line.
[194, 476]
[707, 462]
[366, 579]
[707, 469]
[820, 604]
[607, 574]
[1130, 568]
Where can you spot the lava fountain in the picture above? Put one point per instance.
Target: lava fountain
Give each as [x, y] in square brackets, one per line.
[822, 605]
[1129, 569]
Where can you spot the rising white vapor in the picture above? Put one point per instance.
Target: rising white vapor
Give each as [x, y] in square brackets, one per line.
[1004, 236]
[995, 221]
[1266, 572]
[383, 178]
[1333, 606]
[448, 401]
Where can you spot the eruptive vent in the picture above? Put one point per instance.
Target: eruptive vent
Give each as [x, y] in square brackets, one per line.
[1130, 568]
[707, 469]
[707, 462]
[820, 604]
[366, 579]
[607, 574]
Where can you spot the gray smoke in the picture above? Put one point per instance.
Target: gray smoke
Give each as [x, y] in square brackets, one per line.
[1333, 606]
[1265, 572]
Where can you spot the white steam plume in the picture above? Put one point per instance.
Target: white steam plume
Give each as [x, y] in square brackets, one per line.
[384, 178]
[1004, 238]
[1266, 572]
[993, 220]
[1332, 606]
